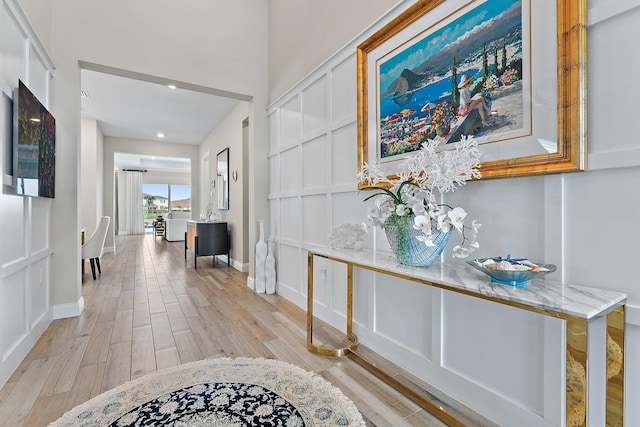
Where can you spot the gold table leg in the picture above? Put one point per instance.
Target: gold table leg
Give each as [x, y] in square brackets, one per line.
[576, 391]
[326, 351]
[576, 372]
[615, 368]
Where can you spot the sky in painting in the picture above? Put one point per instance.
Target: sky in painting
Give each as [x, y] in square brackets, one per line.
[412, 56]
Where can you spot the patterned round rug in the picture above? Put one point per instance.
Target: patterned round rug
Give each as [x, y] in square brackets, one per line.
[220, 392]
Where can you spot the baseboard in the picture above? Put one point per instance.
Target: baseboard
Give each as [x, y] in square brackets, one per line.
[251, 284]
[239, 266]
[63, 311]
[109, 249]
[12, 358]
[235, 264]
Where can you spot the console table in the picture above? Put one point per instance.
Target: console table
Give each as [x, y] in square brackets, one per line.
[206, 238]
[594, 318]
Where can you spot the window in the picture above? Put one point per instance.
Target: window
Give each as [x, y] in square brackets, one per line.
[180, 198]
[159, 199]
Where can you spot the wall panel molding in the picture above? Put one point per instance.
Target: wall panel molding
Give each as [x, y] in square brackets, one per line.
[25, 273]
[609, 9]
[614, 159]
[27, 29]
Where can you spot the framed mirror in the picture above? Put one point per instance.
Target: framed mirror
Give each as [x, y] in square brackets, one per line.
[222, 178]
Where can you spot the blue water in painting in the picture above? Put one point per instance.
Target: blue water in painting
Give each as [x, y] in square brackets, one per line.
[435, 92]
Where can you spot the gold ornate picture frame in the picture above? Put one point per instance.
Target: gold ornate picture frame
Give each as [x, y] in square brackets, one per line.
[554, 96]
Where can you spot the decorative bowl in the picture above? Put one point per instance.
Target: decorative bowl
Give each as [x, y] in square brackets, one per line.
[516, 279]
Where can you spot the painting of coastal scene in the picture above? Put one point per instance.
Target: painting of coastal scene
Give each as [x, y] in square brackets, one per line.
[465, 78]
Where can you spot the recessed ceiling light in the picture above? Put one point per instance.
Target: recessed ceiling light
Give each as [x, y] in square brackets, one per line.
[160, 135]
[171, 86]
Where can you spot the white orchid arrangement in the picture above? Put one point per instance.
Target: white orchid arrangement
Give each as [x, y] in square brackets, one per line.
[411, 192]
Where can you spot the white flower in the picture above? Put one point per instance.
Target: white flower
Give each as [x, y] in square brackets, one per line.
[426, 238]
[401, 210]
[418, 209]
[443, 224]
[456, 216]
[413, 189]
[421, 222]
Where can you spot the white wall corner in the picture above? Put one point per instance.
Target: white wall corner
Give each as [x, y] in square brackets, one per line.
[63, 311]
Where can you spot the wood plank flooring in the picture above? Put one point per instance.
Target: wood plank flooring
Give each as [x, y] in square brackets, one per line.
[150, 310]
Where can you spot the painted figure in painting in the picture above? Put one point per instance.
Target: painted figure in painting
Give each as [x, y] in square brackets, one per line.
[469, 103]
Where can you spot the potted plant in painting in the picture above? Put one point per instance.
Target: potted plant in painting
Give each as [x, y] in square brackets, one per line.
[442, 117]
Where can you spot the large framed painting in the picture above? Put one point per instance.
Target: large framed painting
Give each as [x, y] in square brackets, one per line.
[509, 72]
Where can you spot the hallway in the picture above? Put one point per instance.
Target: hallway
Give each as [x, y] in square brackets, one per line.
[151, 310]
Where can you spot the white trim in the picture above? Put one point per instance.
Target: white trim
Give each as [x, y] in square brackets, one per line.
[109, 249]
[24, 262]
[242, 267]
[251, 282]
[25, 25]
[609, 9]
[300, 300]
[614, 159]
[632, 315]
[12, 359]
[63, 311]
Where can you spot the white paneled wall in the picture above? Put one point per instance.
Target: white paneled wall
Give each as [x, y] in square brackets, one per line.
[502, 362]
[25, 223]
[313, 188]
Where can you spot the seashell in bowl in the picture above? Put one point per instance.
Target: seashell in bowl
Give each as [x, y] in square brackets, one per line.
[509, 272]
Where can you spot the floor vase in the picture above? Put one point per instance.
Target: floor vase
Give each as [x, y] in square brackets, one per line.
[261, 258]
[270, 271]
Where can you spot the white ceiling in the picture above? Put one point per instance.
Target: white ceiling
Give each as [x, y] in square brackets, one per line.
[132, 108]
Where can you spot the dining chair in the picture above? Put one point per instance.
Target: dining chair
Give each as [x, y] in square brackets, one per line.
[94, 247]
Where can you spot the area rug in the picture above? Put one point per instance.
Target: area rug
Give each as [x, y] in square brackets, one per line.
[220, 392]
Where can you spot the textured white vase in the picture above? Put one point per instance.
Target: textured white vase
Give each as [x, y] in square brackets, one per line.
[261, 257]
[270, 271]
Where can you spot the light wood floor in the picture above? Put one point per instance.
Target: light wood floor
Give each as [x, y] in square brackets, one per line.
[151, 310]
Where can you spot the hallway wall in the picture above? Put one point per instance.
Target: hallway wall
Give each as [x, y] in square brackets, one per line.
[505, 364]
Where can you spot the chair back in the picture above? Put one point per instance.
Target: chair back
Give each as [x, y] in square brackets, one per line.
[94, 247]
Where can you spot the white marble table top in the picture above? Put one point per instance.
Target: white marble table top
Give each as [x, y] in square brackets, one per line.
[574, 300]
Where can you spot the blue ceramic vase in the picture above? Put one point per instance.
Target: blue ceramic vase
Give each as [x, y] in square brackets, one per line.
[401, 235]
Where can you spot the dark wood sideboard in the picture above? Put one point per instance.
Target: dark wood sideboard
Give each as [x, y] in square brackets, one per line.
[206, 239]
